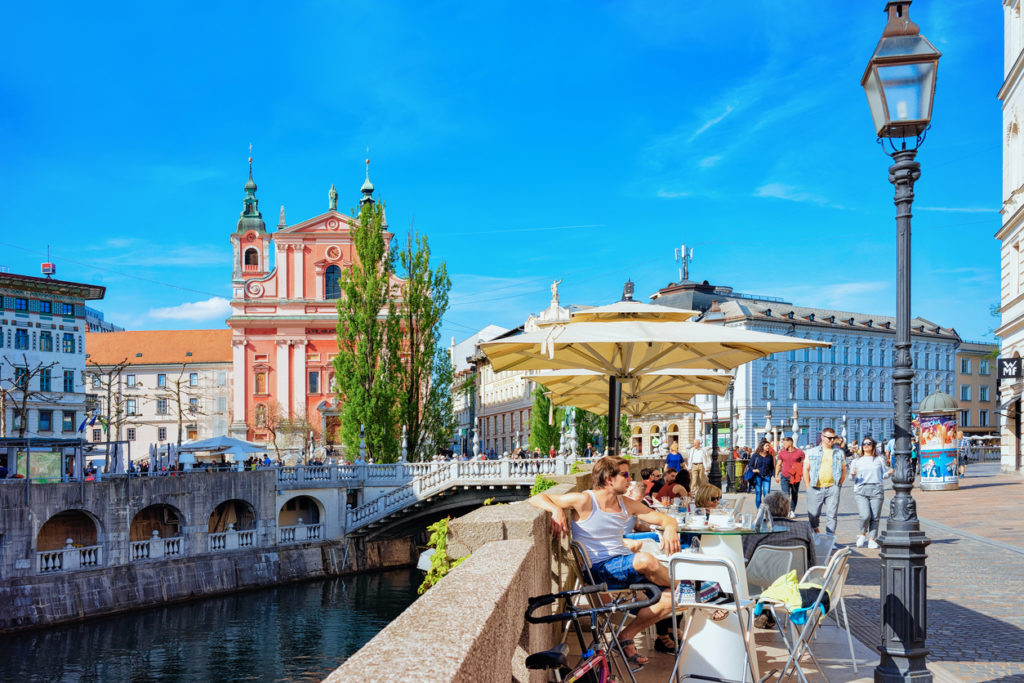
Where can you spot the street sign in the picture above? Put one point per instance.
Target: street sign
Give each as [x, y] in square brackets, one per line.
[1009, 368]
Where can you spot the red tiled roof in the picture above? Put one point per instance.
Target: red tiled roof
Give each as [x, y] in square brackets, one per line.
[158, 347]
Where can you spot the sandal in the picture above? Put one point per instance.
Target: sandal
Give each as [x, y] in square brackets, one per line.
[634, 658]
[719, 615]
[661, 644]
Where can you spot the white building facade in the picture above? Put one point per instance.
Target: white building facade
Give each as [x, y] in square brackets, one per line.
[847, 387]
[1011, 235]
[174, 380]
[42, 333]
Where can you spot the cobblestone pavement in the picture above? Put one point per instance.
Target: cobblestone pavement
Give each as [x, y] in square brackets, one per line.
[975, 575]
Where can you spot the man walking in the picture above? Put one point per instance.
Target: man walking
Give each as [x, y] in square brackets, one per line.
[698, 461]
[824, 472]
[789, 468]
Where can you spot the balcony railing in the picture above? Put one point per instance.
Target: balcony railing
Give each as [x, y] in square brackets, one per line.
[69, 558]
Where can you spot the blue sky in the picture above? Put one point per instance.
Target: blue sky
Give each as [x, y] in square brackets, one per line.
[580, 141]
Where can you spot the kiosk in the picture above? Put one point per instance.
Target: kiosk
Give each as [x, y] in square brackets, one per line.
[937, 437]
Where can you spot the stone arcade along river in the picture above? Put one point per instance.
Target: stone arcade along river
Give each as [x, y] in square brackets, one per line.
[297, 632]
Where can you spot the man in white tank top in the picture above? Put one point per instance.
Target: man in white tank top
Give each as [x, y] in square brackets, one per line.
[598, 522]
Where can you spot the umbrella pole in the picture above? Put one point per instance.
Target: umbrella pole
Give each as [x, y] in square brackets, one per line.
[614, 406]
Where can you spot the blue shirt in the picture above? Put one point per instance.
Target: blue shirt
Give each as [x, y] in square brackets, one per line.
[674, 460]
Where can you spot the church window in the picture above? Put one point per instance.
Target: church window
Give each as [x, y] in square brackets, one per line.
[332, 288]
[261, 382]
[252, 257]
[261, 415]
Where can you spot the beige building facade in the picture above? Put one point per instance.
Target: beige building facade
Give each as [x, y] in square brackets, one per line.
[977, 389]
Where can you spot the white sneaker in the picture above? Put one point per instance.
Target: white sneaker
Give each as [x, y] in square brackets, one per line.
[872, 543]
[861, 540]
[792, 515]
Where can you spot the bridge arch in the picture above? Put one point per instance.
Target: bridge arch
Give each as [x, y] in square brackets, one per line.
[160, 517]
[307, 508]
[235, 511]
[80, 526]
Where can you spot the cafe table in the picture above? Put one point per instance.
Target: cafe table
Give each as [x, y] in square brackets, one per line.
[715, 649]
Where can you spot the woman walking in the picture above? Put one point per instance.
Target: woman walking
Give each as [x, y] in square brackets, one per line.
[868, 471]
[763, 467]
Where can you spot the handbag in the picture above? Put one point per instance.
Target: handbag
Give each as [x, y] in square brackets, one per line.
[748, 474]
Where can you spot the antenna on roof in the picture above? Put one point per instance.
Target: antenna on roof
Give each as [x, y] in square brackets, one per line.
[683, 259]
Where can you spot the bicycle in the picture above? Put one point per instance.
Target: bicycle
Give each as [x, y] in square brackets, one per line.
[594, 665]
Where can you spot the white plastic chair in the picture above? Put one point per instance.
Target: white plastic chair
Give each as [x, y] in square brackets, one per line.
[799, 641]
[699, 567]
[769, 562]
[817, 575]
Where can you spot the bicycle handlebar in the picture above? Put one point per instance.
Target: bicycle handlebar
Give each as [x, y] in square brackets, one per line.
[652, 591]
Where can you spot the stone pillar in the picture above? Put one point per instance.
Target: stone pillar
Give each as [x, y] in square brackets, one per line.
[281, 368]
[298, 404]
[282, 282]
[239, 429]
[298, 292]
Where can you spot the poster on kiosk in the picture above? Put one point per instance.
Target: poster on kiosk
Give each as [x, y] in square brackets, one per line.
[938, 452]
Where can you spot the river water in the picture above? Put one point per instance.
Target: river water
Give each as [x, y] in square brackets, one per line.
[297, 632]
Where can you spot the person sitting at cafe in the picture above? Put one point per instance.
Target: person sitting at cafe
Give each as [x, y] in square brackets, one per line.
[797, 533]
[677, 485]
[598, 520]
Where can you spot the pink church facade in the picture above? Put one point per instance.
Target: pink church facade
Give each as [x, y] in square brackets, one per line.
[284, 316]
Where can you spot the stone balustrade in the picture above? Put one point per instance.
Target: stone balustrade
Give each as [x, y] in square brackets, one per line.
[300, 533]
[231, 539]
[69, 558]
[156, 548]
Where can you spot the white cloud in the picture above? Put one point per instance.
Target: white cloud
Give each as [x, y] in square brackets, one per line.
[953, 209]
[708, 162]
[669, 194]
[711, 122]
[790, 193]
[215, 307]
[487, 293]
[842, 296]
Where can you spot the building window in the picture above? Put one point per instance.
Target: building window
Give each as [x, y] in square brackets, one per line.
[792, 355]
[68, 343]
[831, 390]
[252, 257]
[46, 341]
[821, 384]
[965, 392]
[67, 421]
[20, 304]
[792, 387]
[45, 420]
[871, 391]
[193, 379]
[807, 355]
[95, 381]
[129, 380]
[983, 394]
[965, 418]
[846, 390]
[129, 406]
[69, 381]
[871, 357]
[161, 406]
[917, 359]
[832, 354]
[856, 391]
[192, 432]
[45, 382]
[21, 378]
[193, 406]
[46, 307]
[965, 366]
[67, 309]
[261, 382]
[161, 380]
[332, 286]
[983, 366]
[21, 339]
[95, 435]
[881, 391]
[131, 433]
[856, 356]
[261, 415]
[161, 434]
[222, 378]
[983, 418]
[846, 355]
[807, 388]
[222, 404]
[314, 382]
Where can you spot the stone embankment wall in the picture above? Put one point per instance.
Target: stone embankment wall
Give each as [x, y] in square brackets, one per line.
[470, 626]
[34, 601]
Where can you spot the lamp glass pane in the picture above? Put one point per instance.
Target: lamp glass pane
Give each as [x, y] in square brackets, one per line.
[874, 92]
[908, 91]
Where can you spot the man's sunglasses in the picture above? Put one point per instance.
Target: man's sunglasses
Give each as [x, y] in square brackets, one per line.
[830, 438]
[627, 475]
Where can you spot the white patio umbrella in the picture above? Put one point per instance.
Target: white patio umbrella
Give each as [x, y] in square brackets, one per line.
[661, 382]
[631, 407]
[622, 349]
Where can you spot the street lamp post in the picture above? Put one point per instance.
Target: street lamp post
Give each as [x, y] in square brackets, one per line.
[900, 86]
[715, 475]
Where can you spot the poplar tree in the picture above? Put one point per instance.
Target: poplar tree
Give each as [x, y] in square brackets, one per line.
[368, 337]
[425, 368]
[542, 434]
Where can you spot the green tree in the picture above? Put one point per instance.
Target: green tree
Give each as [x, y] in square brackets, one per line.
[425, 369]
[542, 434]
[368, 340]
[587, 423]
